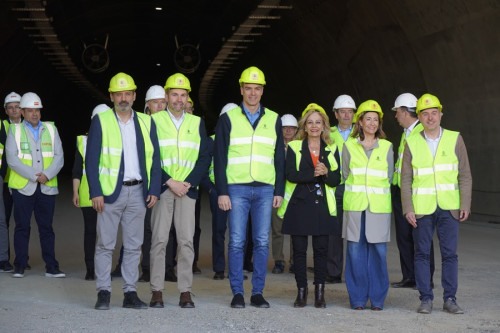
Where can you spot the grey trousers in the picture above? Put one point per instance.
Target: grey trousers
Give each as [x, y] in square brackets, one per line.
[129, 211]
[182, 210]
[4, 231]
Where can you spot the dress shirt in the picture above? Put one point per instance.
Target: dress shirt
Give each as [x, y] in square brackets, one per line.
[177, 122]
[131, 159]
[252, 117]
[433, 143]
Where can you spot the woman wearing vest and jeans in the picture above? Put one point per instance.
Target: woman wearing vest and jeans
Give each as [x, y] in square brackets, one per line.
[309, 208]
[367, 169]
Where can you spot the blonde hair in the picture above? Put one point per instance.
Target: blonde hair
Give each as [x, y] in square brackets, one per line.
[325, 134]
[358, 130]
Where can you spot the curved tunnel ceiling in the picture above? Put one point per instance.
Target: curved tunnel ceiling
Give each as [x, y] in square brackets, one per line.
[310, 50]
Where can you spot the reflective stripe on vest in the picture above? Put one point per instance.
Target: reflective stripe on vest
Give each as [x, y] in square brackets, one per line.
[435, 179]
[396, 180]
[179, 149]
[296, 146]
[250, 156]
[368, 183]
[24, 149]
[111, 149]
[83, 189]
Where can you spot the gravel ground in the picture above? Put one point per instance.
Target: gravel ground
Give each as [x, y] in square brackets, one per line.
[40, 304]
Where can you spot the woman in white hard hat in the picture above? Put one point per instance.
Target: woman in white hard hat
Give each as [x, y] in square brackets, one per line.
[367, 168]
[309, 208]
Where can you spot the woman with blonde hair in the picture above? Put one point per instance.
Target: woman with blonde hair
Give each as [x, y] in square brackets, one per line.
[367, 168]
[309, 208]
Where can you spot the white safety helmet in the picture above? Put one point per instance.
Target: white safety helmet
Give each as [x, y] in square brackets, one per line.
[289, 120]
[406, 99]
[12, 97]
[30, 100]
[227, 107]
[99, 109]
[155, 92]
[344, 102]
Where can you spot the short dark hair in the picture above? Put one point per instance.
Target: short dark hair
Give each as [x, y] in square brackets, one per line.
[411, 111]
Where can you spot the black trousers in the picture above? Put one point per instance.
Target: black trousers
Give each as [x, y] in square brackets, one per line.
[89, 235]
[335, 260]
[320, 249]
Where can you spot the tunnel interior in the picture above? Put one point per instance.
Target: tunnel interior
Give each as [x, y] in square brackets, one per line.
[310, 51]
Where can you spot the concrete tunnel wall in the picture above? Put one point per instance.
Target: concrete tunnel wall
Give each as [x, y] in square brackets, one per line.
[379, 49]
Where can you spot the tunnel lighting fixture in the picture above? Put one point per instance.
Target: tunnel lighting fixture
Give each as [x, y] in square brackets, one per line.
[46, 42]
[158, 65]
[263, 17]
[235, 53]
[234, 47]
[158, 8]
[240, 40]
[43, 35]
[255, 26]
[274, 7]
[28, 9]
[32, 19]
[247, 34]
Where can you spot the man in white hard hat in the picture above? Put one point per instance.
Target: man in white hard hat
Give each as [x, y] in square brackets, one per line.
[35, 156]
[405, 108]
[343, 109]
[155, 100]
[289, 127]
[11, 105]
[81, 198]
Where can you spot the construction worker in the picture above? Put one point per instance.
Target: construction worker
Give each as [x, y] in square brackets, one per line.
[185, 159]
[155, 100]
[436, 190]
[406, 115]
[11, 105]
[35, 156]
[81, 199]
[190, 106]
[123, 170]
[343, 109]
[289, 127]
[249, 175]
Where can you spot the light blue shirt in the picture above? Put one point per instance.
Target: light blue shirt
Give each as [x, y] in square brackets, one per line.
[433, 143]
[251, 117]
[35, 131]
[345, 133]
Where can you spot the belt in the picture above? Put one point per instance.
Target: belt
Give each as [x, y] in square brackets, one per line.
[132, 182]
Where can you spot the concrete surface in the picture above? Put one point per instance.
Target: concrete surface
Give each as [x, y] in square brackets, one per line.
[40, 304]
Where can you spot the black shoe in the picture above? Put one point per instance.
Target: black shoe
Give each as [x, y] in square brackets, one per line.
[319, 296]
[333, 279]
[405, 283]
[258, 301]
[90, 276]
[238, 302]
[18, 272]
[219, 275]
[28, 267]
[6, 267]
[131, 301]
[117, 272]
[279, 267]
[170, 275]
[145, 277]
[103, 298]
[55, 273]
[248, 268]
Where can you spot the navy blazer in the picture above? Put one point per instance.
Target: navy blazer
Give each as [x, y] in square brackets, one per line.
[93, 154]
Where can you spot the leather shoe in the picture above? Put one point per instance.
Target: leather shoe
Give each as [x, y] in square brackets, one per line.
[170, 275]
[156, 300]
[333, 279]
[132, 301]
[405, 283]
[258, 301]
[301, 299]
[238, 302]
[185, 300]
[319, 296]
[219, 275]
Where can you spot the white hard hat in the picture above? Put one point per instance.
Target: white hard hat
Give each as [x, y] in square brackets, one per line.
[30, 100]
[155, 92]
[406, 99]
[12, 97]
[289, 120]
[344, 102]
[227, 107]
[99, 109]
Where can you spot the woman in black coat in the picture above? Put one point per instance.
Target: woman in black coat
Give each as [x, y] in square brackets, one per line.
[309, 209]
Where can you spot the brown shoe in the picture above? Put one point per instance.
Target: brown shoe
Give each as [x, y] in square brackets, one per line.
[156, 300]
[185, 300]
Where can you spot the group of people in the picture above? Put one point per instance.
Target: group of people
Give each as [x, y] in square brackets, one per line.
[144, 171]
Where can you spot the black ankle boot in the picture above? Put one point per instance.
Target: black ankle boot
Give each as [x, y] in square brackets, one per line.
[301, 299]
[319, 296]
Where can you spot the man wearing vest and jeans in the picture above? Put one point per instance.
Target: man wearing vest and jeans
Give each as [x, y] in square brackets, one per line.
[249, 165]
[436, 189]
[123, 171]
[184, 160]
[35, 156]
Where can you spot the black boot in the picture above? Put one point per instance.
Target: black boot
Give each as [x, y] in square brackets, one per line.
[319, 295]
[301, 299]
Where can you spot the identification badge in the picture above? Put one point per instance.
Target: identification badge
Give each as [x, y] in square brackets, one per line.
[25, 145]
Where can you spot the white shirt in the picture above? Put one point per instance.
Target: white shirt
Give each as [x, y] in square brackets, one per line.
[410, 128]
[433, 143]
[177, 122]
[132, 169]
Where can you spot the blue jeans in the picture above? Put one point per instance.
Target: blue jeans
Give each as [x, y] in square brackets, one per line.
[447, 230]
[366, 275]
[258, 201]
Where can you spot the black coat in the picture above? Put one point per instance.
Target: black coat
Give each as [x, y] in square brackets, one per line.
[307, 213]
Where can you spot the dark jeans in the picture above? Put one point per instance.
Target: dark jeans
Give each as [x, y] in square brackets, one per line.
[89, 235]
[320, 249]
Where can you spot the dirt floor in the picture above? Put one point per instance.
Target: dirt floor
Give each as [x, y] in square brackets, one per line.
[40, 304]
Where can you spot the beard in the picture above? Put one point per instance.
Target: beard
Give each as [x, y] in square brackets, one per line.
[124, 106]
